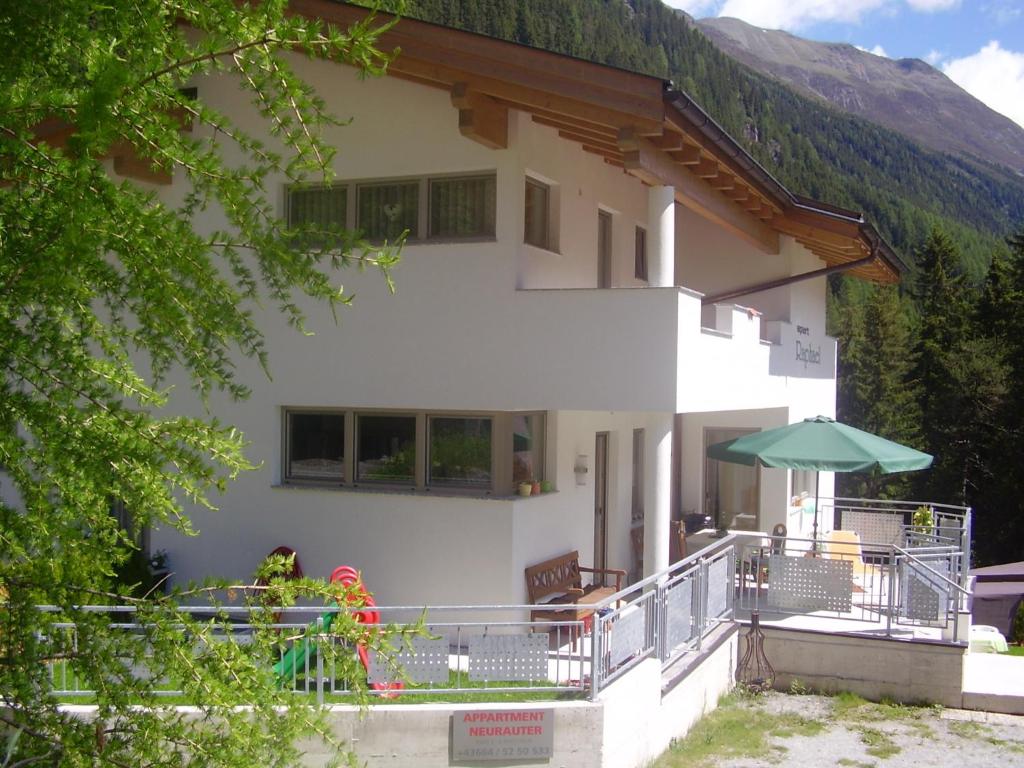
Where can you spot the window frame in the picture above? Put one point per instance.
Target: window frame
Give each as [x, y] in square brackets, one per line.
[501, 450]
[286, 447]
[421, 234]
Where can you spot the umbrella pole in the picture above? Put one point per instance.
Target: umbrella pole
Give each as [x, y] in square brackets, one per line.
[814, 535]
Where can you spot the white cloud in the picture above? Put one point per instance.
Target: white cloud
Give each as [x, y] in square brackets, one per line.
[698, 8]
[793, 15]
[931, 6]
[994, 76]
[933, 57]
[878, 50]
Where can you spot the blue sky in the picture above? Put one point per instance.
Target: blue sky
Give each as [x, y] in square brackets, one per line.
[979, 44]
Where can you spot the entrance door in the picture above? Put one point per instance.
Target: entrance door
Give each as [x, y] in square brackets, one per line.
[601, 500]
[604, 249]
[730, 490]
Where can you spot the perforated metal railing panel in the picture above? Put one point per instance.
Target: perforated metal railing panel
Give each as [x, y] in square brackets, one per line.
[426, 662]
[509, 657]
[874, 527]
[681, 627]
[810, 583]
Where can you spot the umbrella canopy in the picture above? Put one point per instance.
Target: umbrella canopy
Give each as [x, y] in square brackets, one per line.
[821, 444]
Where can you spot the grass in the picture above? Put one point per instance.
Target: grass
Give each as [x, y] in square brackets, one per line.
[480, 695]
[978, 732]
[850, 763]
[1015, 650]
[736, 729]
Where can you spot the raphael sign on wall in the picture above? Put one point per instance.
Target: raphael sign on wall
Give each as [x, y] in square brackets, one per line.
[485, 735]
[801, 350]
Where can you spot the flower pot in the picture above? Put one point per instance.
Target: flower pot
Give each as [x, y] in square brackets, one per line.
[535, 489]
[525, 489]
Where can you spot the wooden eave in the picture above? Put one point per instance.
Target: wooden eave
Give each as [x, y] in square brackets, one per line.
[626, 118]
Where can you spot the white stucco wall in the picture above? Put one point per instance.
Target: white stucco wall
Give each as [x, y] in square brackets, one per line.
[488, 326]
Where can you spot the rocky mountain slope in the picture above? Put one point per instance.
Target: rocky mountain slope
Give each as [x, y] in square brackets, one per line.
[906, 95]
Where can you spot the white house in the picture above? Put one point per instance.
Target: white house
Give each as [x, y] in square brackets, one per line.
[598, 283]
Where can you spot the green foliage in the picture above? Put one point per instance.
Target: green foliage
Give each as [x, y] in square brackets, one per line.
[106, 294]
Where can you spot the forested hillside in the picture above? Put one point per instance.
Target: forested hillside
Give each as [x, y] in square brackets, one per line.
[936, 363]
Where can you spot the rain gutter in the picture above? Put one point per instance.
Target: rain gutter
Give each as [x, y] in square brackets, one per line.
[704, 124]
[784, 281]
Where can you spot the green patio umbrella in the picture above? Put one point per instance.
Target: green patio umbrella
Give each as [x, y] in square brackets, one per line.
[820, 444]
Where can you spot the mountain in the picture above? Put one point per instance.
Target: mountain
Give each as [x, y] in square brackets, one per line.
[906, 95]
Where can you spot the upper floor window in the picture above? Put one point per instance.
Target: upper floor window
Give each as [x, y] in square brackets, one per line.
[386, 449]
[463, 206]
[538, 214]
[640, 254]
[427, 207]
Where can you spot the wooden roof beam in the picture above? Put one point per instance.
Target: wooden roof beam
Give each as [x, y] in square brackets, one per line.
[481, 118]
[686, 155]
[723, 182]
[590, 142]
[654, 167]
[707, 168]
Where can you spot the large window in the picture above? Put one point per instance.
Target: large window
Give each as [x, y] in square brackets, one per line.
[386, 451]
[459, 452]
[427, 208]
[418, 450]
[315, 447]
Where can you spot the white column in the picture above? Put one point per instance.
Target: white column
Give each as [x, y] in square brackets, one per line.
[661, 236]
[657, 492]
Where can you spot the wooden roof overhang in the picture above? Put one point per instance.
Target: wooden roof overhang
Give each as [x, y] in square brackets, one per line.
[632, 121]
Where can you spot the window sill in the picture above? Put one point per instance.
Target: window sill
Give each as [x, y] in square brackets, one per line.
[447, 493]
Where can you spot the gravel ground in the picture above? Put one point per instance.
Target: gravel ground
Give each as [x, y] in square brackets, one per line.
[920, 737]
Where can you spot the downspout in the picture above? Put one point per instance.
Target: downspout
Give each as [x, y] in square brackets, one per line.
[783, 281]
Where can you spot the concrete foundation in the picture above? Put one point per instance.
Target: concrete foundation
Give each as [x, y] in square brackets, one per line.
[633, 721]
[872, 667]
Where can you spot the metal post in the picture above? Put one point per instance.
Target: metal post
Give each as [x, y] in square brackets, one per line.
[890, 592]
[702, 603]
[660, 622]
[319, 661]
[595, 655]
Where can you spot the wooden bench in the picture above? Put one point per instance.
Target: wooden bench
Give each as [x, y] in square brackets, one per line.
[561, 579]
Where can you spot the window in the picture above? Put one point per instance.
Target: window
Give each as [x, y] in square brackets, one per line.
[319, 210]
[385, 211]
[417, 450]
[640, 254]
[463, 207]
[441, 208]
[527, 447]
[386, 449]
[459, 452]
[315, 447]
[604, 249]
[538, 209]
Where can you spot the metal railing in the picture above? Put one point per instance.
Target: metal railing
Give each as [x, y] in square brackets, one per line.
[664, 616]
[465, 649]
[886, 589]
